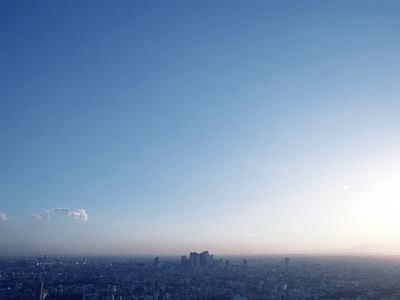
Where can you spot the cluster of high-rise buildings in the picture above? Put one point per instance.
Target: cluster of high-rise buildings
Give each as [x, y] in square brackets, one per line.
[203, 259]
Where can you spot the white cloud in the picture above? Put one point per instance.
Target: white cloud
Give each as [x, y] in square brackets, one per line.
[79, 214]
[297, 230]
[250, 234]
[3, 216]
[36, 216]
[346, 187]
[47, 212]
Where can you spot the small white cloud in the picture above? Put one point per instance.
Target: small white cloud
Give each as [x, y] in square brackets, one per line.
[297, 230]
[36, 216]
[3, 216]
[79, 214]
[346, 187]
[47, 212]
[250, 234]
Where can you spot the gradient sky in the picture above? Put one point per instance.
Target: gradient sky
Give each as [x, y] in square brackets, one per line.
[164, 127]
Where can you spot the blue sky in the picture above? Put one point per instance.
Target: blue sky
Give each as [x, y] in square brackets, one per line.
[153, 127]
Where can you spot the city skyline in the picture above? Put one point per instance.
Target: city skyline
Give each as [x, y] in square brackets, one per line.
[303, 277]
[150, 127]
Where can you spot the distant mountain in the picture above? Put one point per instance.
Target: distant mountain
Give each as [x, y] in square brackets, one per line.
[394, 248]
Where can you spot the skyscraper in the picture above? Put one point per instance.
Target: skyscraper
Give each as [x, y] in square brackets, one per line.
[184, 261]
[156, 261]
[194, 259]
[206, 259]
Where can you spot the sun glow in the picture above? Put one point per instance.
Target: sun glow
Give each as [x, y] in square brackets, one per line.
[379, 209]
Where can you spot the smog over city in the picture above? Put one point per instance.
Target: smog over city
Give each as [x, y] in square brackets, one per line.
[199, 149]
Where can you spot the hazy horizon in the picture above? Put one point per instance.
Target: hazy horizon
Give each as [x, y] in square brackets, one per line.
[169, 127]
[354, 252]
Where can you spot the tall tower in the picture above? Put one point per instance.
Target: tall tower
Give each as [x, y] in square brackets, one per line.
[193, 259]
[183, 261]
[204, 259]
[287, 262]
[156, 261]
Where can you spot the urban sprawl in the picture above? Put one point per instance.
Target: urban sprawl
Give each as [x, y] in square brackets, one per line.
[202, 276]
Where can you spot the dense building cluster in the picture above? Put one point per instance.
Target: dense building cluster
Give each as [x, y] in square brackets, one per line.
[200, 276]
[197, 260]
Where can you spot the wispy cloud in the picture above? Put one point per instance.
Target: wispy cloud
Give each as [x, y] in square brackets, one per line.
[3, 216]
[250, 234]
[47, 212]
[297, 230]
[36, 216]
[79, 214]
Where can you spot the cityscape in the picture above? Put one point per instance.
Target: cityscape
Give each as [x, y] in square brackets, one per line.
[202, 276]
[199, 149]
